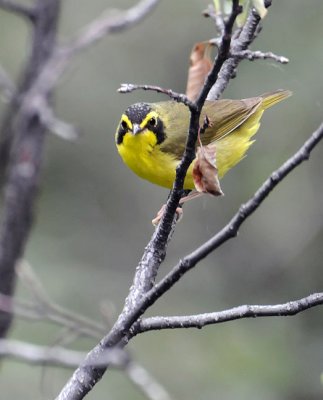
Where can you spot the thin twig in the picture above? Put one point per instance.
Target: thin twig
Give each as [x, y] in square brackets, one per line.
[76, 324]
[35, 354]
[6, 85]
[240, 42]
[112, 23]
[56, 356]
[216, 16]
[152, 389]
[246, 311]
[64, 358]
[90, 35]
[17, 8]
[179, 97]
[259, 55]
[48, 309]
[55, 125]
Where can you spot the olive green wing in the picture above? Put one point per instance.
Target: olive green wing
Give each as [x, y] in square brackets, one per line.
[225, 116]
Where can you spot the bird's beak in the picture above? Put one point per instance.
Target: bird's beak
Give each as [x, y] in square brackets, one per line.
[136, 129]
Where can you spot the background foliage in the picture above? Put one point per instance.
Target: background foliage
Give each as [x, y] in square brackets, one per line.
[94, 214]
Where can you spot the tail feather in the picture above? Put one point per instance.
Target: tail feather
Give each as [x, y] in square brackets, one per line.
[270, 99]
[233, 147]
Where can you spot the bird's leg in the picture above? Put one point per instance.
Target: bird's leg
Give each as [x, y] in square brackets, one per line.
[155, 221]
[186, 196]
[190, 196]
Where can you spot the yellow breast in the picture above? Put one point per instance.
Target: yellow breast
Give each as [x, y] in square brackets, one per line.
[141, 154]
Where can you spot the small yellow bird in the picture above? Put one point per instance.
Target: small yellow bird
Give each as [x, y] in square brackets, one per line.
[151, 137]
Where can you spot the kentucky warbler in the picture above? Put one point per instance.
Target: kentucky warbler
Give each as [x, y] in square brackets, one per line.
[151, 137]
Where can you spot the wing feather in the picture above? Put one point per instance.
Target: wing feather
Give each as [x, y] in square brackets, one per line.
[224, 116]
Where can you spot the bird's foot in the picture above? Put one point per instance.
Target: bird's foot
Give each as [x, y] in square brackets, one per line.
[179, 210]
[159, 216]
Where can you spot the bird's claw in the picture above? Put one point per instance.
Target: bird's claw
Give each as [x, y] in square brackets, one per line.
[159, 216]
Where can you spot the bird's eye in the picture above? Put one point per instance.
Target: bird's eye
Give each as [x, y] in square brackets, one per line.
[124, 124]
[152, 121]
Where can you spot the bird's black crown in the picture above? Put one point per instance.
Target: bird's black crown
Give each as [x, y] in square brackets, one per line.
[137, 112]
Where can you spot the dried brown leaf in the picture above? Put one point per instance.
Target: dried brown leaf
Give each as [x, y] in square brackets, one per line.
[205, 173]
[200, 65]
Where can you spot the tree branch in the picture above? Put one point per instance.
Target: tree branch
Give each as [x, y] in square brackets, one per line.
[20, 9]
[34, 354]
[44, 307]
[64, 358]
[25, 157]
[152, 389]
[74, 325]
[179, 97]
[46, 114]
[240, 42]
[6, 85]
[107, 24]
[97, 30]
[246, 311]
[58, 356]
[259, 55]
[216, 16]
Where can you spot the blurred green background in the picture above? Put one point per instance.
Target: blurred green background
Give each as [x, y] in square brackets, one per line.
[93, 214]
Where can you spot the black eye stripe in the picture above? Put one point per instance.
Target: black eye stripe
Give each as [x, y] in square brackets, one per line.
[121, 132]
[159, 131]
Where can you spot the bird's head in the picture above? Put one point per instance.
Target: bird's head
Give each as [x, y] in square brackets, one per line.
[138, 119]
